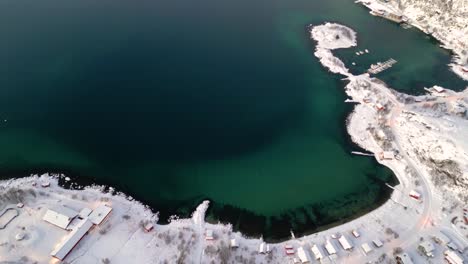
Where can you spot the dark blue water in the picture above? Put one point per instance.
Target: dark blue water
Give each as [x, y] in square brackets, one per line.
[178, 101]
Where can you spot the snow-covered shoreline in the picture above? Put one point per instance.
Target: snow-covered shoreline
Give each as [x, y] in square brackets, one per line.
[446, 21]
[418, 132]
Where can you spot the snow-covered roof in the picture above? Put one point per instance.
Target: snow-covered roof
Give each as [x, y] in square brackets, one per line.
[377, 242]
[303, 255]
[59, 216]
[428, 247]
[84, 212]
[452, 257]
[234, 243]
[317, 252]
[72, 239]
[366, 248]
[438, 89]
[345, 243]
[404, 258]
[330, 248]
[99, 214]
[262, 248]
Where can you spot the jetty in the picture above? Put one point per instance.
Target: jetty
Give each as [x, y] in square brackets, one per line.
[362, 153]
[381, 66]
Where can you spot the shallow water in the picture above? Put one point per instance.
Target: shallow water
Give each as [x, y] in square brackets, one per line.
[178, 101]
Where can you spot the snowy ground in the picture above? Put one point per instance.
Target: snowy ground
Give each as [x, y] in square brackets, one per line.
[427, 134]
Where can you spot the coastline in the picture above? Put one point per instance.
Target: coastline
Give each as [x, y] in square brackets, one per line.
[411, 221]
[451, 32]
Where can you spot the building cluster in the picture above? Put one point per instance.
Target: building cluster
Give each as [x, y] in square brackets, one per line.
[78, 223]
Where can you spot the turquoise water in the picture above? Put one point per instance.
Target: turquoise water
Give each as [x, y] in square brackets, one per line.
[178, 101]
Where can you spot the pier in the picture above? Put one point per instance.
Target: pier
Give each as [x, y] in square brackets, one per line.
[381, 66]
[362, 153]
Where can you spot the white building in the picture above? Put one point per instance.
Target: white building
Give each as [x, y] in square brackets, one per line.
[404, 258]
[60, 216]
[234, 243]
[262, 248]
[330, 248]
[428, 248]
[209, 234]
[317, 252]
[72, 239]
[99, 214]
[345, 244]
[366, 248]
[377, 242]
[452, 257]
[303, 255]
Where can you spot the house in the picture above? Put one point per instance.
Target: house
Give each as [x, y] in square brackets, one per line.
[379, 107]
[234, 243]
[366, 248]
[330, 248]
[452, 257]
[60, 216]
[427, 248]
[415, 195]
[387, 155]
[377, 243]
[438, 89]
[262, 248]
[100, 214]
[149, 227]
[355, 233]
[303, 255]
[209, 234]
[289, 249]
[404, 258]
[72, 239]
[345, 244]
[317, 252]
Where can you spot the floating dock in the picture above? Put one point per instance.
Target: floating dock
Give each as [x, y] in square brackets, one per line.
[381, 66]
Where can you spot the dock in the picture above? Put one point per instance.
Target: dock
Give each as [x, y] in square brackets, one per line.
[362, 153]
[381, 66]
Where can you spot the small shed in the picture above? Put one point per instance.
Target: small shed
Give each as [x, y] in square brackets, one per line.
[289, 249]
[427, 248]
[356, 233]
[387, 155]
[209, 234]
[404, 258]
[303, 255]
[234, 243]
[262, 248]
[415, 195]
[100, 214]
[317, 252]
[330, 248]
[149, 227]
[377, 243]
[366, 248]
[439, 89]
[60, 216]
[345, 244]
